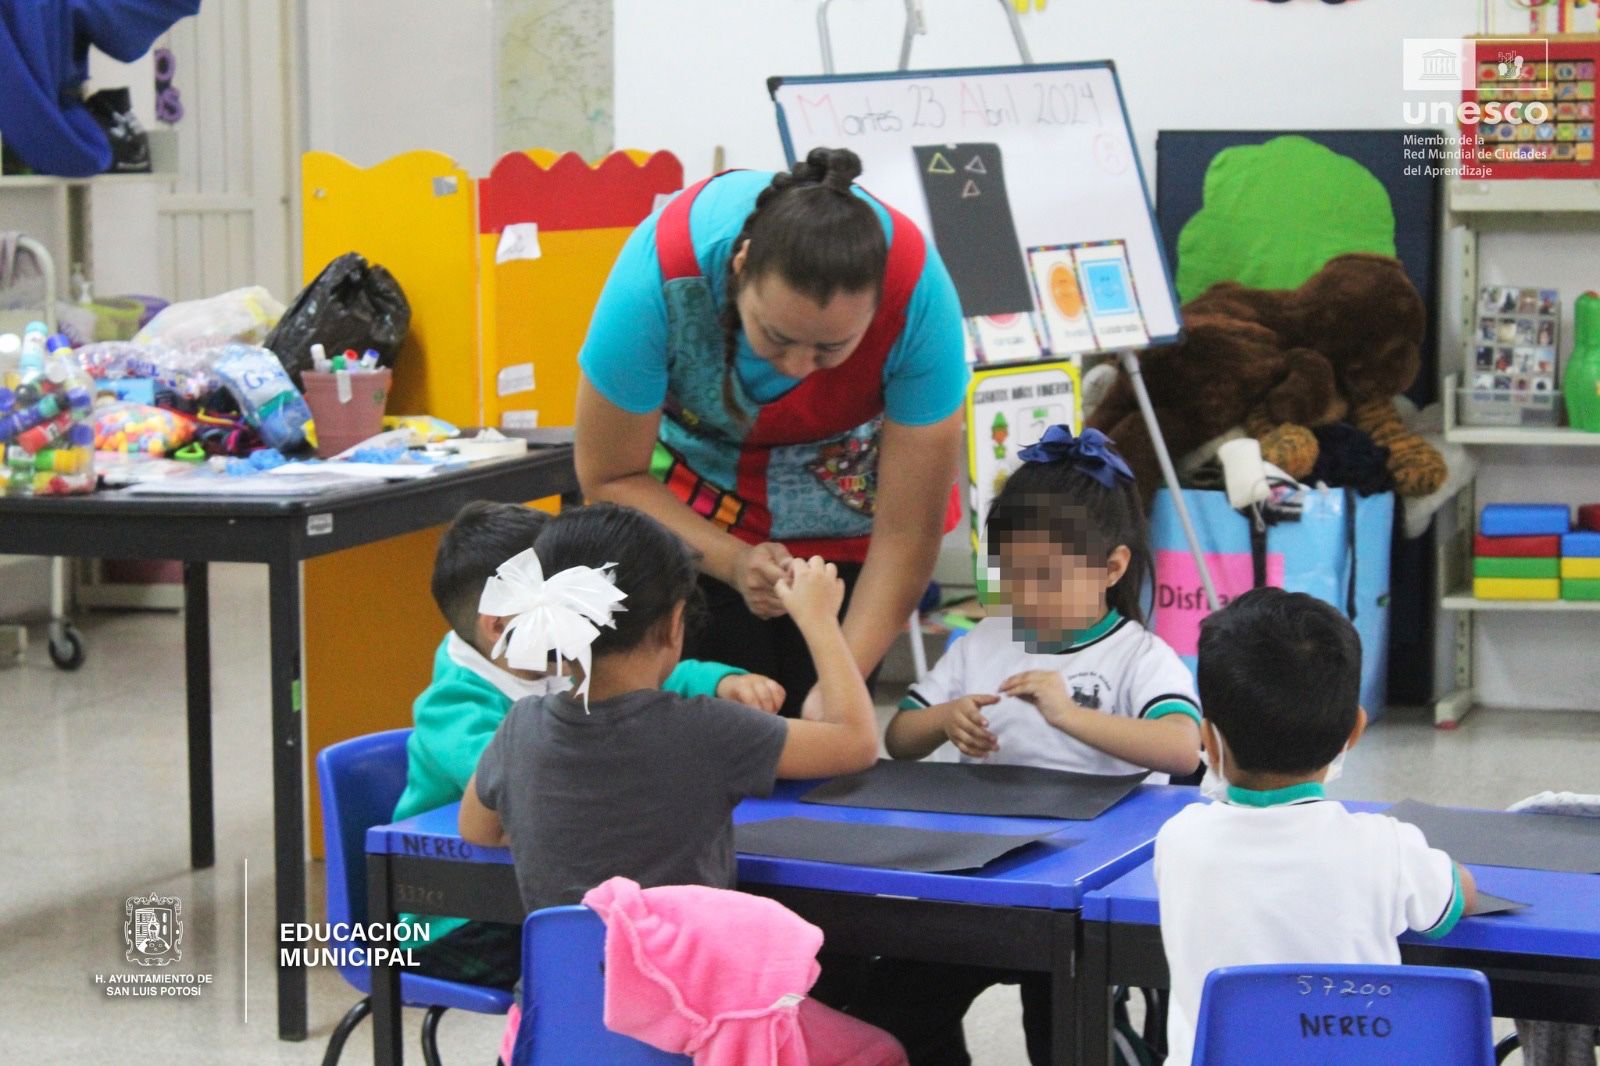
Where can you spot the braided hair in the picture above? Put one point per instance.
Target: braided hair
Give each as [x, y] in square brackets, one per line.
[810, 229]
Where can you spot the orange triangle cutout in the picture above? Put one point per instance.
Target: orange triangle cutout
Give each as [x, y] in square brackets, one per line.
[970, 190]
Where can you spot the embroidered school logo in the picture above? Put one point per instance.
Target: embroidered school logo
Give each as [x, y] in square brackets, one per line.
[152, 927]
[848, 468]
[1089, 690]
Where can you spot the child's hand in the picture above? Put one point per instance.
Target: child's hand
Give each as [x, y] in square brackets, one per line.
[968, 729]
[753, 690]
[811, 592]
[1045, 690]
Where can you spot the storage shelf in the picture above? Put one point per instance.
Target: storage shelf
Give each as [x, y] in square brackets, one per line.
[1466, 601]
[46, 181]
[1524, 196]
[1524, 436]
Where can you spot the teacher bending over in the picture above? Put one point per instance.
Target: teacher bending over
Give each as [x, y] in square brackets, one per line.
[776, 369]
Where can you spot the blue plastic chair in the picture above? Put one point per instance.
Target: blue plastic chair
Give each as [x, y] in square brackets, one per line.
[1332, 1015]
[361, 780]
[564, 995]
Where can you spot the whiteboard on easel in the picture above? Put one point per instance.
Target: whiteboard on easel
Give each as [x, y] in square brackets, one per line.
[1028, 182]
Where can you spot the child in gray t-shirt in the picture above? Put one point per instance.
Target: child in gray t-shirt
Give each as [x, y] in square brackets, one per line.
[618, 777]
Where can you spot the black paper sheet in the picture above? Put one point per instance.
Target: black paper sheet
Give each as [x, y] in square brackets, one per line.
[975, 788]
[887, 847]
[1564, 843]
[970, 210]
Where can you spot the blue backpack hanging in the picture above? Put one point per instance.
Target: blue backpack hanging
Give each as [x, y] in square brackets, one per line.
[1338, 551]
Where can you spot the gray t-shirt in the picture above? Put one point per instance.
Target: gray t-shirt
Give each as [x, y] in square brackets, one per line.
[642, 786]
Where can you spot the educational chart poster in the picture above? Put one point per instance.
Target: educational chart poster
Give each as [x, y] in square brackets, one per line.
[1009, 408]
[1088, 299]
[965, 190]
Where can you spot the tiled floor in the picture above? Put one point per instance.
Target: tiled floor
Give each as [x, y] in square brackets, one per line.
[92, 777]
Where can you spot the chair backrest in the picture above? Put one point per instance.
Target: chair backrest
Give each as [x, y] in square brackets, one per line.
[564, 994]
[360, 780]
[1331, 1015]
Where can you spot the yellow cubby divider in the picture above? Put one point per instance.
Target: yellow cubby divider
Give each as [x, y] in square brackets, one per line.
[414, 215]
[370, 623]
[535, 311]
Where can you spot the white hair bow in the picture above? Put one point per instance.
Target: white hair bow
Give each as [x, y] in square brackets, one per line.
[559, 615]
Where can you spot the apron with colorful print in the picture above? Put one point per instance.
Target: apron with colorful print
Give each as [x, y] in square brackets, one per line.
[801, 470]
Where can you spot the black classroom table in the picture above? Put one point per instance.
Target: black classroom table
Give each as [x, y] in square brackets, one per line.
[280, 532]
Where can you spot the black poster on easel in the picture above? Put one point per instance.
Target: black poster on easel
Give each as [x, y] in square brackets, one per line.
[972, 225]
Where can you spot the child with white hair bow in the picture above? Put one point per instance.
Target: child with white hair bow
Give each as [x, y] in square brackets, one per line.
[617, 777]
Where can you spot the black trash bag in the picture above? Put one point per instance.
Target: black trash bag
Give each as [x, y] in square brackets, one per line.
[351, 304]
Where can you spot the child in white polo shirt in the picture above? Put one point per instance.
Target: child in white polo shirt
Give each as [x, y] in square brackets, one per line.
[1071, 680]
[1065, 677]
[1273, 872]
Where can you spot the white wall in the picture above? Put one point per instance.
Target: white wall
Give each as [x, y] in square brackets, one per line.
[386, 76]
[691, 73]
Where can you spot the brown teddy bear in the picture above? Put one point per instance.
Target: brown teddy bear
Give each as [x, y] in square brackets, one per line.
[1278, 361]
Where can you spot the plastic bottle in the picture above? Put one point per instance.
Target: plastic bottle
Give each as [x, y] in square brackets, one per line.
[34, 337]
[266, 396]
[1581, 386]
[10, 352]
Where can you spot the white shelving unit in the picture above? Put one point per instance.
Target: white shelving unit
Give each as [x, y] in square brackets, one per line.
[1501, 205]
[1548, 196]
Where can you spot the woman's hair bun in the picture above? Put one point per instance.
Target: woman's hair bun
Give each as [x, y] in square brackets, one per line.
[833, 167]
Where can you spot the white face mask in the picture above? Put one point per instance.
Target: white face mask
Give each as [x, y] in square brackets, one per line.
[1215, 785]
[548, 685]
[1336, 767]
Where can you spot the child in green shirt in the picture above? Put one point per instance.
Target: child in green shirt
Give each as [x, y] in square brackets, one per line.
[458, 713]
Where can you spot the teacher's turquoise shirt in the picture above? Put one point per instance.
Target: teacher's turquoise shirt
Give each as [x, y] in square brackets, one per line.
[625, 353]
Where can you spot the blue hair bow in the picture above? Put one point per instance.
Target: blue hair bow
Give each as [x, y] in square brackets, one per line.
[1091, 452]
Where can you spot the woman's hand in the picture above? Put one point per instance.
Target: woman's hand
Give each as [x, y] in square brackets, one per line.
[756, 573]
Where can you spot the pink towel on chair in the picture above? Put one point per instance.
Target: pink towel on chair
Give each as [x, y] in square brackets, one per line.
[723, 976]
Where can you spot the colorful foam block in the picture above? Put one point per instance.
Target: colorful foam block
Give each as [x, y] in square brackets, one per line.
[1524, 520]
[1520, 568]
[1580, 546]
[1581, 589]
[1580, 569]
[1589, 517]
[1516, 547]
[1516, 588]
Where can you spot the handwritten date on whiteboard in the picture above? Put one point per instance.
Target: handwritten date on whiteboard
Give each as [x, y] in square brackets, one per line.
[957, 106]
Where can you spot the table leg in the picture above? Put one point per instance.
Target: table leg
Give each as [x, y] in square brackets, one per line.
[1063, 989]
[1094, 996]
[197, 686]
[288, 783]
[388, 1046]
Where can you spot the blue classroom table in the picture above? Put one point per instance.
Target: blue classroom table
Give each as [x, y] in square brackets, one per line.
[1019, 912]
[1542, 963]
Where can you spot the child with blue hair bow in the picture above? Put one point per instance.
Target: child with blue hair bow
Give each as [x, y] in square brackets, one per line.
[1063, 675]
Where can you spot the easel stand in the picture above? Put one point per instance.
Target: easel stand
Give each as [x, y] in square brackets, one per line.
[1130, 364]
[916, 24]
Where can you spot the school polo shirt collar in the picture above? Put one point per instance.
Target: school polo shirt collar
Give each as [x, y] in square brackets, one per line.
[1084, 638]
[1277, 797]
